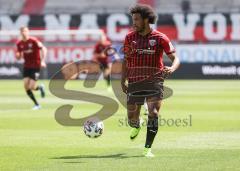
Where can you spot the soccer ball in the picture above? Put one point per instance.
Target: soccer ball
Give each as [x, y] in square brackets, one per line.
[93, 127]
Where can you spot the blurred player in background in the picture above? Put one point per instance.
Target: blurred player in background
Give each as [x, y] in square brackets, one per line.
[101, 56]
[33, 52]
[143, 71]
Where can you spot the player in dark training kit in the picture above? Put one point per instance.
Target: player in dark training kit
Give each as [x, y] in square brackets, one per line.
[33, 52]
[143, 71]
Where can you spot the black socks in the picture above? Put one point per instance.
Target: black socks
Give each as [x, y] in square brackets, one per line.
[31, 95]
[152, 129]
[107, 78]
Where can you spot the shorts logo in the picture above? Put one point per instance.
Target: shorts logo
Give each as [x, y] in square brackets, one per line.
[152, 42]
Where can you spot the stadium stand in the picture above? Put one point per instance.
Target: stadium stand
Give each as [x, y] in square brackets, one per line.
[171, 6]
[11, 6]
[78, 6]
[99, 6]
[33, 7]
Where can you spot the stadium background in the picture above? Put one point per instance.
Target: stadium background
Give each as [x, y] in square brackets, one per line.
[206, 34]
[206, 88]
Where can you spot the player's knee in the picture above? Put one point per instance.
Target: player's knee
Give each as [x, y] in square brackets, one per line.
[153, 113]
[32, 87]
[132, 109]
[29, 87]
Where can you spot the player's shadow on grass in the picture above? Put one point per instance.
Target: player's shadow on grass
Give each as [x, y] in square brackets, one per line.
[115, 156]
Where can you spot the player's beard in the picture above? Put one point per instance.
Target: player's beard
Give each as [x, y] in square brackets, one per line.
[142, 28]
[139, 28]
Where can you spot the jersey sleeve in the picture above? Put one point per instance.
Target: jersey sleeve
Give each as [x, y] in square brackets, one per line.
[126, 47]
[38, 44]
[167, 45]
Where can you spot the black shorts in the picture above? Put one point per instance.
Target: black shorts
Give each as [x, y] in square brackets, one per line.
[103, 66]
[139, 91]
[31, 73]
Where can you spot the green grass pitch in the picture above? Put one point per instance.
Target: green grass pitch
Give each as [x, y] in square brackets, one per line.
[33, 140]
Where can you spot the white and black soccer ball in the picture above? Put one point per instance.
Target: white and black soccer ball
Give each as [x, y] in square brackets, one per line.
[93, 127]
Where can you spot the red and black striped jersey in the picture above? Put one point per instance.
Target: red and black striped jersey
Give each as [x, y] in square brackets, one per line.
[101, 47]
[144, 54]
[31, 52]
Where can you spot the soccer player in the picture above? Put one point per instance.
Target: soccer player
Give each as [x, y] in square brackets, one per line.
[33, 52]
[101, 56]
[143, 71]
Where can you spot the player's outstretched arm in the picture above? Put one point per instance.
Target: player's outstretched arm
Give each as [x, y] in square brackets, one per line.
[175, 64]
